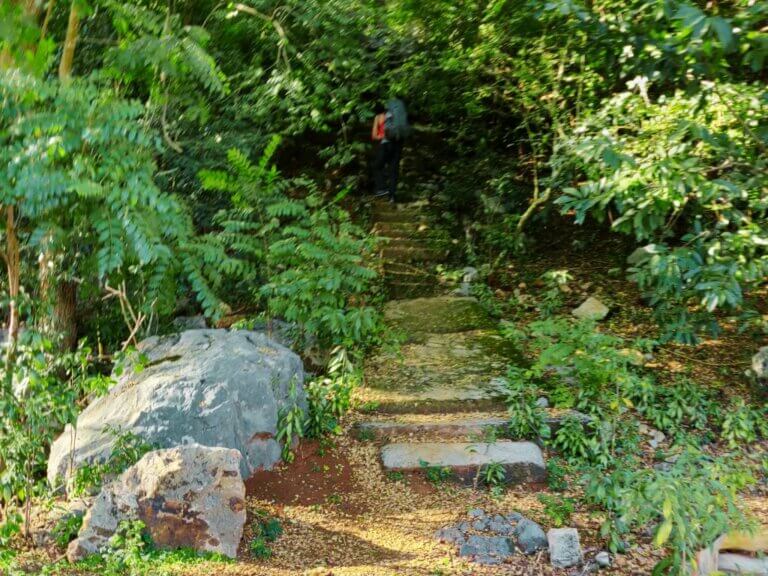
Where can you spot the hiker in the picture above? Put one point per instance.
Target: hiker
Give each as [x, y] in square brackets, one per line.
[389, 131]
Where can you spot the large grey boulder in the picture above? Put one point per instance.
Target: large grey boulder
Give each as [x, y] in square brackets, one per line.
[210, 387]
[760, 364]
[564, 547]
[190, 496]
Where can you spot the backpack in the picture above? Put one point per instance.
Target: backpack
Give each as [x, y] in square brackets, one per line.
[396, 125]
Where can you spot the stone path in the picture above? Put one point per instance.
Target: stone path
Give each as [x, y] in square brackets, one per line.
[441, 389]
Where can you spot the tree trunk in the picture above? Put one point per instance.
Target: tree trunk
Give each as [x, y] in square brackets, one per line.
[65, 313]
[70, 41]
[13, 268]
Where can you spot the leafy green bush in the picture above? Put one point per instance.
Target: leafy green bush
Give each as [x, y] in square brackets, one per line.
[37, 398]
[557, 509]
[526, 419]
[743, 424]
[303, 254]
[688, 178]
[692, 506]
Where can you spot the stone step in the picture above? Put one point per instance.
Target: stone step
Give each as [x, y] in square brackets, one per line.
[397, 288]
[450, 426]
[401, 229]
[522, 461]
[451, 372]
[398, 215]
[417, 254]
[406, 243]
[437, 315]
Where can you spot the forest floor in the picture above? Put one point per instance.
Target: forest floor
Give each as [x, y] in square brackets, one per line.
[342, 514]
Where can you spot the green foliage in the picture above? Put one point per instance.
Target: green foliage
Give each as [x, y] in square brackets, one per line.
[127, 449]
[36, 400]
[304, 255]
[493, 474]
[66, 529]
[290, 423]
[692, 505]
[688, 177]
[526, 419]
[100, 209]
[557, 474]
[330, 399]
[265, 530]
[435, 474]
[572, 441]
[743, 424]
[557, 509]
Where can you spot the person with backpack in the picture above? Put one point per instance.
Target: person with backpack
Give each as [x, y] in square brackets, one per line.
[390, 130]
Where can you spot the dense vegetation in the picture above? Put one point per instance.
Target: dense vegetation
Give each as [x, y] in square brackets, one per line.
[166, 159]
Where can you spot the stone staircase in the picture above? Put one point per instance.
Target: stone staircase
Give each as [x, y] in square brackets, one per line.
[436, 400]
[407, 251]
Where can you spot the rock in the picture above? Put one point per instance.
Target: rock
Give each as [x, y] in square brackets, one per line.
[469, 274]
[530, 536]
[603, 559]
[487, 549]
[564, 547]
[542, 402]
[182, 323]
[522, 461]
[477, 513]
[514, 517]
[591, 309]
[210, 387]
[500, 525]
[189, 496]
[760, 364]
[642, 254]
[657, 437]
[463, 291]
[450, 534]
[480, 524]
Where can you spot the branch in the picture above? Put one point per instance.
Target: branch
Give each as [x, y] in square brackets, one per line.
[281, 54]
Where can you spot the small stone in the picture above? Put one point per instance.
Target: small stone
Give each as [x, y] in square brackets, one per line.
[477, 513]
[530, 536]
[642, 254]
[464, 526]
[450, 534]
[463, 291]
[514, 517]
[603, 559]
[487, 549]
[500, 525]
[760, 363]
[480, 524]
[591, 309]
[542, 402]
[470, 274]
[564, 547]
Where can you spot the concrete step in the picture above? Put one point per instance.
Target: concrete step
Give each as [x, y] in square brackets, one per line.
[522, 461]
[445, 426]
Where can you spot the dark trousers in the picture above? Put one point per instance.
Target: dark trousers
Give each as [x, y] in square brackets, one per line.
[386, 167]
